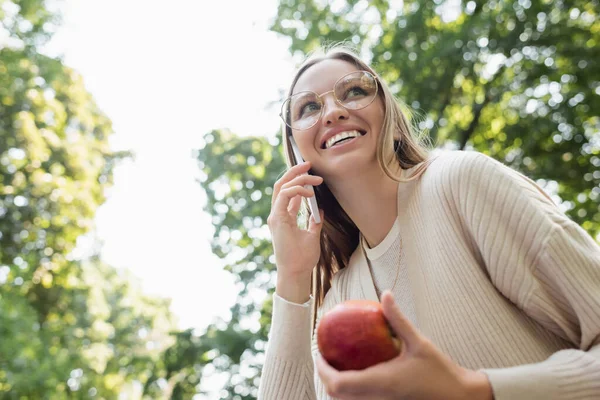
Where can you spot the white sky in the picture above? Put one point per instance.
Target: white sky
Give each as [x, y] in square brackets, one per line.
[166, 73]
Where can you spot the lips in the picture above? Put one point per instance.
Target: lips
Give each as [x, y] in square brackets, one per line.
[341, 137]
[337, 130]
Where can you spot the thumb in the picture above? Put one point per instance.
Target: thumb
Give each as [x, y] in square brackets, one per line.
[402, 327]
[313, 227]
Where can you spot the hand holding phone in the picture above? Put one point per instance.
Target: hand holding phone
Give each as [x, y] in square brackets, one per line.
[312, 201]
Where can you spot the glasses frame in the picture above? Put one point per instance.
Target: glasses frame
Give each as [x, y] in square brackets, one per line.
[320, 97]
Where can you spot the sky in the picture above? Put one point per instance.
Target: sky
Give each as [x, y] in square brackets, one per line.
[166, 73]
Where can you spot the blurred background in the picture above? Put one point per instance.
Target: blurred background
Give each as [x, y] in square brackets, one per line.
[139, 144]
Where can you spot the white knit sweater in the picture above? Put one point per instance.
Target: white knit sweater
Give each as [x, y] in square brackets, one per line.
[499, 279]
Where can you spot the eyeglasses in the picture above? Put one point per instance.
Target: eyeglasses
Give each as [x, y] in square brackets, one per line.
[353, 91]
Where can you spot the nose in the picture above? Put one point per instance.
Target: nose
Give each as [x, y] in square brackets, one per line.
[333, 111]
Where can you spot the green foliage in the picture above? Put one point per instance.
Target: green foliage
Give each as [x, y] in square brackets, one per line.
[96, 339]
[518, 80]
[239, 174]
[69, 328]
[29, 22]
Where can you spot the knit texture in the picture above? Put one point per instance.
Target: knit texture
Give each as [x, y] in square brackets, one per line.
[499, 279]
[388, 270]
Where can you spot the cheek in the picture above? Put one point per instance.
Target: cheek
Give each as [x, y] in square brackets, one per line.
[376, 117]
[305, 140]
[380, 117]
[380, 111]
[375, 114]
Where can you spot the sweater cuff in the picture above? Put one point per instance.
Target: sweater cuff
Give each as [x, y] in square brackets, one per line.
[290, 333]
[566, 375]
[307, 304]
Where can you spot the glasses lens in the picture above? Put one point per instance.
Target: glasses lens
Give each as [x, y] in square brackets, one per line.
[302, 110]
[356, 90]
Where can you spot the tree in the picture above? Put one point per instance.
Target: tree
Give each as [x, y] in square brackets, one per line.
[239, 174]
[69, 328]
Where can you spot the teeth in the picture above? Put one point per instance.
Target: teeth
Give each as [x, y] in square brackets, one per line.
[340, 136]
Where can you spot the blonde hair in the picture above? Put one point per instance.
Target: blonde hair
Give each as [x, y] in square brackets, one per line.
[398, 141]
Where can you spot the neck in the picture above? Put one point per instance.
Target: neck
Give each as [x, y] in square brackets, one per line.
[370, 200]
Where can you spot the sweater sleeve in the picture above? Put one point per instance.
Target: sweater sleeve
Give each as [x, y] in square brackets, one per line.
[289, 370]
[544, 263]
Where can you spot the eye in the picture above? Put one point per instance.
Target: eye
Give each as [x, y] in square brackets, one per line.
[308, 109]
[355, 91]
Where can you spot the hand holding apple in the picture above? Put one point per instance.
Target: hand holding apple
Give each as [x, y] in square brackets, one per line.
[420, 372]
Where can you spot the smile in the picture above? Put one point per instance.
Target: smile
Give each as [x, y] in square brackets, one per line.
[342, 137]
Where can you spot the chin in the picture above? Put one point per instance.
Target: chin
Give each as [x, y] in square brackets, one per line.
[349, 166]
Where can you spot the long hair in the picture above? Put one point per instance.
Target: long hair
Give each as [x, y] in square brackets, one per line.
[398, 142]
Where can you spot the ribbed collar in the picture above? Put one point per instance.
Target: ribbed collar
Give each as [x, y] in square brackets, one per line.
[405, 191]
[379, 250]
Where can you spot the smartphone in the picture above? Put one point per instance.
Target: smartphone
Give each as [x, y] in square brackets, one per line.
[312, 201]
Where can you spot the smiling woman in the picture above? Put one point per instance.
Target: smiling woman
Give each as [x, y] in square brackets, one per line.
[494, 292]
[351, 105]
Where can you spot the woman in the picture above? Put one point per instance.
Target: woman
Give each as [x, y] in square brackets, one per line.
[494, 291]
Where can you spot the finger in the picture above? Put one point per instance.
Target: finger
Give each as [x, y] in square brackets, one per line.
[368, 383]
[303, 180]
[282, 204]
[295, 204]
[288, 176]
[313, 227]
[330, 378]
[399, 323]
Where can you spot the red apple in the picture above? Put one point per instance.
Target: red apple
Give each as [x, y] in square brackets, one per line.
[355, 335]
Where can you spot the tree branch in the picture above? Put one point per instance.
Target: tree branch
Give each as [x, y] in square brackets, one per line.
[465, 135]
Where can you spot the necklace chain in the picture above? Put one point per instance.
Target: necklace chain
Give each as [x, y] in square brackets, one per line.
[371, 267]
